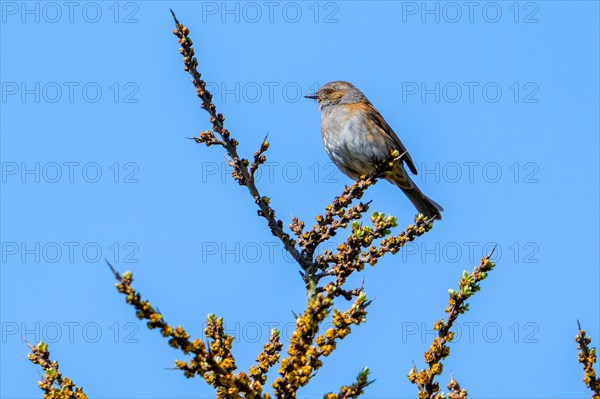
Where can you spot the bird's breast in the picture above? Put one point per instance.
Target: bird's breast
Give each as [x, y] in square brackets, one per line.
[352, 141]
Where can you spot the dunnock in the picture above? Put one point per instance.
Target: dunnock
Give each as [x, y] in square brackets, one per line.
[358, 139]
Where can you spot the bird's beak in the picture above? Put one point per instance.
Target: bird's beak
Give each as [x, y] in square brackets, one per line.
[314, 96]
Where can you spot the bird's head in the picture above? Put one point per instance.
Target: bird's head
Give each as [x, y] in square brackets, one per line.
[338, 92]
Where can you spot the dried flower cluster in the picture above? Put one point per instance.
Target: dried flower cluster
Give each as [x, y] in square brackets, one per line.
[587, 357]
[439, 350]
[54, 385]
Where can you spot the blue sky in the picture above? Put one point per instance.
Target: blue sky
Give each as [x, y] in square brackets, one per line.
[497, 103]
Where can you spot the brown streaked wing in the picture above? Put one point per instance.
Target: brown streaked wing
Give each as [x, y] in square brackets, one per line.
[386, 129]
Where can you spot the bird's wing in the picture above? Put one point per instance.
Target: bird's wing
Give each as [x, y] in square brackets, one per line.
[387, 130]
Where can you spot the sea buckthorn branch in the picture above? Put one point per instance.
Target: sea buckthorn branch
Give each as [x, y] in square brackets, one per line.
[588, 357]
[439, 350]
[241, 171]
[212, 362]
[395, 243]
[307, 348]
[342, 322]
[354, 390]
[259, 157]
[350, 256]
[54, 384]
[349, 253]
[267, 359]
[302, 361]
[358, 250]
[207, 137]
[327, 224]
[337, 214]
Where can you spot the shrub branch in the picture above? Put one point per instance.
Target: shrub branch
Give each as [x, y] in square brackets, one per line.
[241, 173]
[54, 384]
[213, 360]
[587, 357]
[439, 350]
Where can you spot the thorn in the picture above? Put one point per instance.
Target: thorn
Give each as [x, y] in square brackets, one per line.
[491, 253]
[174, 17]
[295, 315]
[369, 302]
[578, 324]
[112, 269]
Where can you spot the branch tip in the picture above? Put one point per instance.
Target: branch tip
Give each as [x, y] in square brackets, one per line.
[491, 253]
[174, 17]
[113, 270]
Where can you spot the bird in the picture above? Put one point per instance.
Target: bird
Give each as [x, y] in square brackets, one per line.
[358, 140]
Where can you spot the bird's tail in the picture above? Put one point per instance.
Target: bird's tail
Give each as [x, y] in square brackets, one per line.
[423, 203]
